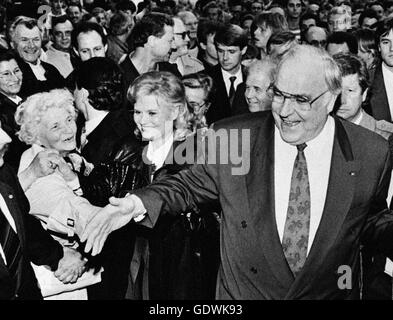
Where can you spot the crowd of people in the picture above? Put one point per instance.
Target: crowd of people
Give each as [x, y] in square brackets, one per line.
[119, 121]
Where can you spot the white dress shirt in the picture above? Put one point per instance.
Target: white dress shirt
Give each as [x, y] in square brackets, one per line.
[158, 156]
[226, 75]
[61, 60]
[38, 70]
[388, 80]
[8, 216]
[318, 156]
[15, 99]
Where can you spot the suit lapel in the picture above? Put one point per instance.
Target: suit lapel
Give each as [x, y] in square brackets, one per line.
[260, 191]
[340, 191]
[11, 202]
[379, 99]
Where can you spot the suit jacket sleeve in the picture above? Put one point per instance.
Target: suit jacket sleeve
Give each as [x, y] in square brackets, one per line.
[41, 248]
[378, 231]
[188, 190]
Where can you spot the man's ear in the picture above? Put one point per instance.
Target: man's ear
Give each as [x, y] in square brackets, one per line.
[106, 48]
[364, 95]
[331, 102]
[12, 45]
[244, 50]
[203, 46]
[151, 40]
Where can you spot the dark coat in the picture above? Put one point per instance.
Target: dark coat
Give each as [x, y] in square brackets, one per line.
[220, 107]
[8, 124]
[130, 74]
[378, 105]
[105, 138]
[180, 256]
[30, 84]
[253, 265]
[37, 245]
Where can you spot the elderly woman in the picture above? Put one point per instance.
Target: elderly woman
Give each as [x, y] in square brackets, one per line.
[47, 122]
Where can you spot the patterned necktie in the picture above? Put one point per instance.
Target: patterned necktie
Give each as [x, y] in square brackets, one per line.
[232, 89]
[297, 224]
[11, 246]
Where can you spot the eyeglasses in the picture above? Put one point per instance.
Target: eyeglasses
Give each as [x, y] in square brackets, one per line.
[183, 34]
[303, 103]
[8, 75]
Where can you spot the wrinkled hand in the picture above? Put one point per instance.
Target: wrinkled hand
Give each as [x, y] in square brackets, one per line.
[65, 170]
[71, 266]
[44, 163]
[112, 217]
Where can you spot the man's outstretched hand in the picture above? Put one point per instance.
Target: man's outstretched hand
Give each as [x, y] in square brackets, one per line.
[115, 215]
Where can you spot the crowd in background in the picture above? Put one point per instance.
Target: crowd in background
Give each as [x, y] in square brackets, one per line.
[100, 82]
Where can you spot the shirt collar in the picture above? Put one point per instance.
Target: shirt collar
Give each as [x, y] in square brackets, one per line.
[317, 145]
[226, 75]
[91, 124]
[158, 156]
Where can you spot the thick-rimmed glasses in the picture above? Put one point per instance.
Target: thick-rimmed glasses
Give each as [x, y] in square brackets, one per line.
[303, 103]
[183, 34]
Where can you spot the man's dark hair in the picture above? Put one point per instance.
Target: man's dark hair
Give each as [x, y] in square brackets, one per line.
[75, 5]
[152, 24]
[207, 27]
[60, 19]
[118, 25]
[102, 78]
[368, 13]
[340, 37]
[85, 27]
[387, 4]
[231, 35]
[125, 5]
[280, 38]
[350, 64]
[383, 29]
[309, 15]
[7, 55]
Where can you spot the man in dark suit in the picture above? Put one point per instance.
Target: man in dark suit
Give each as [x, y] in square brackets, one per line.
[380, 95]
[231, 43]
[22, 238]
[153, 41]
[294, 219]
[26, 40]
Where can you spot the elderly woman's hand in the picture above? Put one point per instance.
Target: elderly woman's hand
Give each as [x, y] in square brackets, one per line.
[71, 266]
[65, 170]
[43, 164]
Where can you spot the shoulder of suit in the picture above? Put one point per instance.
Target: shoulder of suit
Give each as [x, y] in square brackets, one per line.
[244, 121]
[363, 139]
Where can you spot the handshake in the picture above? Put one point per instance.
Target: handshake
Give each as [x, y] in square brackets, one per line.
[115, 215]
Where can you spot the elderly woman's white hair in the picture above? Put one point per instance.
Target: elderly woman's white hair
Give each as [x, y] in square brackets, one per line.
[29, 114]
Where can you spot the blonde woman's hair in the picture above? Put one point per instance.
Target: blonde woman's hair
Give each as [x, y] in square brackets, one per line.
[169, 90]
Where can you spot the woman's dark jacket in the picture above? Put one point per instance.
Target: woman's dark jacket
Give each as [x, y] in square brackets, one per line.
[181, 254]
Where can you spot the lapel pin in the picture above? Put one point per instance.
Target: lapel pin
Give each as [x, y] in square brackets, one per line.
[10, 196]
[352, 173]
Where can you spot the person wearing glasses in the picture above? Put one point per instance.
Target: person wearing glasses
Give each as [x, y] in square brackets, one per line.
[293, 222]
[11, 78]
[186, 63]
[58, 53]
